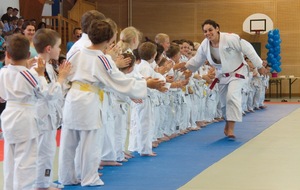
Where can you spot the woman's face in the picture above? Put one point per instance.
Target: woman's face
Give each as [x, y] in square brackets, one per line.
[29, 32]
[210, 32]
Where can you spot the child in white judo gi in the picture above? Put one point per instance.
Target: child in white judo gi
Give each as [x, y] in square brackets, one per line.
[82, 128]
[21, 89]
[47, 43]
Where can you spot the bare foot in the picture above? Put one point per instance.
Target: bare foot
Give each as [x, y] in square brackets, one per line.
[173, 136]
[128, 155]
[154, 144]
[110, 163]
[151, 154]
[165, 138]
[226, 130]
[49, 188]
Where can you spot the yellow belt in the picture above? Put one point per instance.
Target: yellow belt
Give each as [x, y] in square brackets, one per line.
[88, 88]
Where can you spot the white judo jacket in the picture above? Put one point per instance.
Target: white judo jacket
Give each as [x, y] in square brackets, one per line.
[232, 50]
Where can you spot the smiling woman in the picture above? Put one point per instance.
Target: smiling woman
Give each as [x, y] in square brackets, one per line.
[225, 52]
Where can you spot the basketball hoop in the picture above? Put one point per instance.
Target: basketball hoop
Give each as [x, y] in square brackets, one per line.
[257, 32]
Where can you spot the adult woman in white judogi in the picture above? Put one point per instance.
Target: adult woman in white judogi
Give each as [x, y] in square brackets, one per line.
[225, 51]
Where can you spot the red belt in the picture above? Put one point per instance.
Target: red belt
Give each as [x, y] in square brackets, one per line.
[236, 75]
[227, 75]
[214, 83]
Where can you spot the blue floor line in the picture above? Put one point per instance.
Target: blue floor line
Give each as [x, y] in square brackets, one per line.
[184, 157]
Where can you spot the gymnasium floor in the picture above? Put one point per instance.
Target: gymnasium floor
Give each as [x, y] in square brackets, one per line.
[265, 156]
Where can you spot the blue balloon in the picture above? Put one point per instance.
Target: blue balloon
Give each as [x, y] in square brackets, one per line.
[278, 57]
[276, 31]
[271, 55]
[278, 70]
[270, 32]
[276, 37]
[268, 46]
[271, 41]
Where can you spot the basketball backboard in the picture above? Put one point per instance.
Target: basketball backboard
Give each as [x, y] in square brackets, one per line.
[257, 24]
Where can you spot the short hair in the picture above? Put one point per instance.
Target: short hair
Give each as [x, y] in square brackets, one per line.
[161, 38]
[147, 50]
[172, 51]
[88, 17]
[15, 9]
[77, 28]
[178, 42]
[125, 55]
[14, 18]
[43, 38]
[41, 24]
[113, 24]
[8, 8]
[136, 54]
[100, 31]
[17, 47]
[160, 49]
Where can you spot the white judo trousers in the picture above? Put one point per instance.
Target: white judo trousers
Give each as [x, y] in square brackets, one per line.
[145, 127]
[231, 99]
[19, 166]
[46, 154]
[108, 150]
[120, 121]
[88, 159]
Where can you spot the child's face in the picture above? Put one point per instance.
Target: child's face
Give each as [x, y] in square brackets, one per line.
[55, 50]
[185, 48]
[176, 57]
[166, 44]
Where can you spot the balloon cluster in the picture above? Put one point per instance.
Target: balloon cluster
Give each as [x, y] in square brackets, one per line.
[273, 46]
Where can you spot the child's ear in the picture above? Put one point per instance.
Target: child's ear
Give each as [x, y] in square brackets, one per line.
[48, 49]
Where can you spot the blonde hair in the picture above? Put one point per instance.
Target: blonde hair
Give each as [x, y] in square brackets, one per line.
[161, 38]
[112, 24]
[127, 36]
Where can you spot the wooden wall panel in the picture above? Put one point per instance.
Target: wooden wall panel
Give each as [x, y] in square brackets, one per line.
[114, 9]
[182, 19]
[27, 11]
[174, 19]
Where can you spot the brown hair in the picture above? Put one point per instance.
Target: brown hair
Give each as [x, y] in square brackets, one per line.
[88, 17]
[17, 47]
[43, 38]
[125, 55]
[147, 50]
[172, 51]
[100, 31]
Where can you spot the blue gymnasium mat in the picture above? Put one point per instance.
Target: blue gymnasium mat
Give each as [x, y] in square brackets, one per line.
[184, 157]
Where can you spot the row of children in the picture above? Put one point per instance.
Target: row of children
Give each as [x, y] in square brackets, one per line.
[105, 88]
